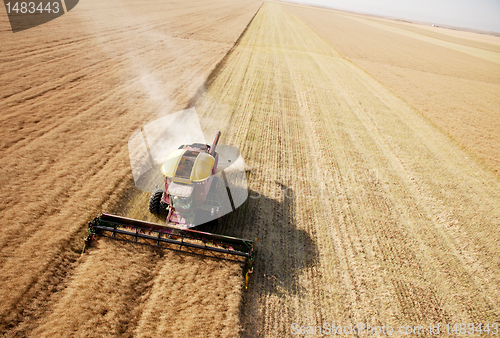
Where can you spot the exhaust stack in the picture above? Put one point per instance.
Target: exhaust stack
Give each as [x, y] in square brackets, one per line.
[214, 145]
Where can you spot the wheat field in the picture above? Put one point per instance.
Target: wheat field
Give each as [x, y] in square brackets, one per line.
[73, 91]
[372, 201]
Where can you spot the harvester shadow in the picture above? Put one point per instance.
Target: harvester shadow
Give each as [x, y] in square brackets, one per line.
[282, 251]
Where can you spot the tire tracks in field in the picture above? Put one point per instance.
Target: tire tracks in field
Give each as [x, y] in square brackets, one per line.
[318, 217]
[355, 286]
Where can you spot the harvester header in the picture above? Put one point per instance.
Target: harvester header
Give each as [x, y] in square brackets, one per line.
[165, 237]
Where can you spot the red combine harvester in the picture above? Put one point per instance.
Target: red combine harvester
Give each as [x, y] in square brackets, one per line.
[192, 196]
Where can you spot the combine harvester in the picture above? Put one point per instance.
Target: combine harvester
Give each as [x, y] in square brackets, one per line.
[200, 185]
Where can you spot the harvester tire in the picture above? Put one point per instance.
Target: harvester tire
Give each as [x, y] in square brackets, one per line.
[154, 201]
[162, 210]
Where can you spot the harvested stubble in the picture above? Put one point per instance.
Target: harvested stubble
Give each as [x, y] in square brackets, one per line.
[451, 77]
[365, 211]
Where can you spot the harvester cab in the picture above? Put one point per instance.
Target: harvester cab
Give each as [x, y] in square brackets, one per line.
[190, 195]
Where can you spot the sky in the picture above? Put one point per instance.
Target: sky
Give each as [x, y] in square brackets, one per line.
[477, 14]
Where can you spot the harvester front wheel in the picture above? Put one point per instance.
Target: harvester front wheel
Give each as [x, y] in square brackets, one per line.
[163, 210]
[154, 201]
